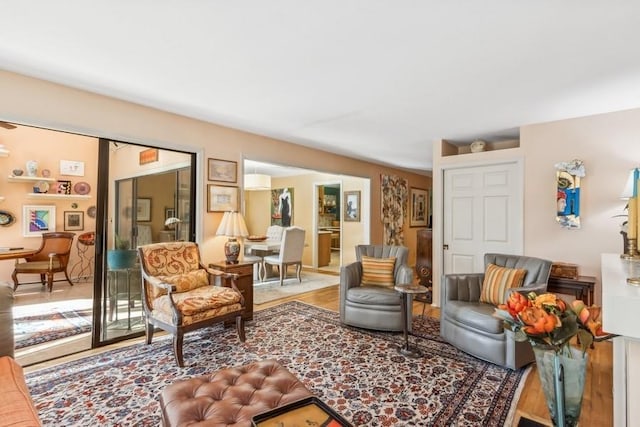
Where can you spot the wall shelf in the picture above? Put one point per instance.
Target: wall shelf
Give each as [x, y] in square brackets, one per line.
[53, 196]
[12, 178]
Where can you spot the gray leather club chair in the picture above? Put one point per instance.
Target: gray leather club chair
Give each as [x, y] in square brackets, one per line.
[374, 307]
[469, 325]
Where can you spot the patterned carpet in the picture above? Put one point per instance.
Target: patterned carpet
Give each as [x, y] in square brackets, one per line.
[358, 373]
[41, 328]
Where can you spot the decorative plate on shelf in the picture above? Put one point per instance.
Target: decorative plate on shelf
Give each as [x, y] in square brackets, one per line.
[81, 188]
[6, 218]
[41, 187]
[91, 211]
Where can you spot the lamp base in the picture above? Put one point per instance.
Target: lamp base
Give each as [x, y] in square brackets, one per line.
[631, 251]
[232, 250]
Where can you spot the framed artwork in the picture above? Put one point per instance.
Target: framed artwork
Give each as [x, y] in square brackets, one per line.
[221, 198]
[148, 156]
[169, 213]
[144, 210]
[73, 220]
[282, 206]
[37, 220]
[222, 170]
[71, 167]
[351, 206]
[419, 207]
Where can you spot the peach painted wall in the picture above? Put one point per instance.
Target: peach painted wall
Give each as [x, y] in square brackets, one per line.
[609, 145]
[35, 102]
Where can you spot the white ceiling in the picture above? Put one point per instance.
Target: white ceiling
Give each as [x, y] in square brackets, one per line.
[373, 79]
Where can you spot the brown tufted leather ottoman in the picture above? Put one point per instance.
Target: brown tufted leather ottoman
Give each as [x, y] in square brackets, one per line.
[230, 397]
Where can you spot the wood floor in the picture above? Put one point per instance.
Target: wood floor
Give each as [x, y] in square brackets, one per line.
[597, 407]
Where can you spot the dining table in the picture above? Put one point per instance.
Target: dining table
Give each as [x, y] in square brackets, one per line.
[16, 253]
[263, 248]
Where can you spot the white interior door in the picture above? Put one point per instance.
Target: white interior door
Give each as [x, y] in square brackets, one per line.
[483, 212]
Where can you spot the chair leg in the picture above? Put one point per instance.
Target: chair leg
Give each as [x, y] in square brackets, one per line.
[283, 271]
[149, 332]
[42, 280]
[240, 328]
[50, 281]
[299, 271]
[66, 275]
[14, 276]
[177, 348]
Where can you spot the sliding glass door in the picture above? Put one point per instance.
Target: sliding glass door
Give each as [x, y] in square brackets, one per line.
[147, 199]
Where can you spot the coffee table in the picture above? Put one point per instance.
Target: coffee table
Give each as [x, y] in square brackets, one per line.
[406, 290]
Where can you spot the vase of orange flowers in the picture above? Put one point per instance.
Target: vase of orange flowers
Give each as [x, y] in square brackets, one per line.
[550, 324]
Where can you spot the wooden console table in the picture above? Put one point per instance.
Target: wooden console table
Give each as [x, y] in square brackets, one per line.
[244, 270]
[581, 288]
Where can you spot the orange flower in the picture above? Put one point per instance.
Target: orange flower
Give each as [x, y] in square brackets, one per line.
[515, 304]
[588, 316]
[549, 300]
[537, 321]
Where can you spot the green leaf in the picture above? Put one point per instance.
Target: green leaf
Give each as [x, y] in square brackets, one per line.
[586, 339]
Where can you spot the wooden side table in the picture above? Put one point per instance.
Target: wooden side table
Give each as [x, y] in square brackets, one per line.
[244, 270]
[581, 287]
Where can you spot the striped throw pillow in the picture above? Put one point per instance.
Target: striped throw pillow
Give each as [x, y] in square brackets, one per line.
[497, 280]
[378, 271]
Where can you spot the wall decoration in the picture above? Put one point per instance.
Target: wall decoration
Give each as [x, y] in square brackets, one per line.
[419, 208]
[73, 220]
[282, 207]
[144, 209]
[221, 198]
[6, 218]
[71, 167]
[351, 206]
[394, 191]
[148, 156]
[63, 187]
[222, 170]
[568, 175]
[37, 220]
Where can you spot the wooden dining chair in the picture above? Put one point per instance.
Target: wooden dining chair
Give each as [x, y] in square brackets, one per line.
[51, 258]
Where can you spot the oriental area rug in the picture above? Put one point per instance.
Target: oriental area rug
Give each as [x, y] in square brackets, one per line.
[56, 324]
[358, 373]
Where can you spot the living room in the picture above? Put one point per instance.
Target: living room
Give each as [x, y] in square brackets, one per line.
[605, 139]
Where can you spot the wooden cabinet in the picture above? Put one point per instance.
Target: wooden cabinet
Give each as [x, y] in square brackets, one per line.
[424, 262]
[324, 248]
[244, 270]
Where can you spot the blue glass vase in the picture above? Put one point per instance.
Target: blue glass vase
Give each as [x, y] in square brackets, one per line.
[562, 376]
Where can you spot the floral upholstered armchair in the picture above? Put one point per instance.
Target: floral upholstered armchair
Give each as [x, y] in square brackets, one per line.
[180, 294]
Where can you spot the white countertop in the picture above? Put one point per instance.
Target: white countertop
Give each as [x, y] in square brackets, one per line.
[620, 301]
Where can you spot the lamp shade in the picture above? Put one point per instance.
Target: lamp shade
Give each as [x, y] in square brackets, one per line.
[232, 225]
[172, 220]
[631, 187]
[257, 182]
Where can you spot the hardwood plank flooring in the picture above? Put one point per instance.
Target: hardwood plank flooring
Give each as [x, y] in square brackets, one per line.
[597, 407]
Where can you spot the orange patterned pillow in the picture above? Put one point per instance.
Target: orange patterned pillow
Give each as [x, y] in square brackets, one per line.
[187, 281]
[378, 271]
[497, 280]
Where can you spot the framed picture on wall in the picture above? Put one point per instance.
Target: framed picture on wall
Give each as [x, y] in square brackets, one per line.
[282, 207]
[351, 206]
[419, 207]
[73, 220]
[222, 198]
[37, 220]
[222, 170]
[144, 209]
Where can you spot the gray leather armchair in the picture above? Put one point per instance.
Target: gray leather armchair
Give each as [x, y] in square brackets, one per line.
[469, 325]
[374, 307]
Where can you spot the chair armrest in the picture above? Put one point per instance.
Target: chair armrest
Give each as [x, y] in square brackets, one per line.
[404, 275]
[462, 287]
[228, 280]
[154, 281]
[351, 275]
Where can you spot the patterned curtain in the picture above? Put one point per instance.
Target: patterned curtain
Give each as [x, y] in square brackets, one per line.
[395, 191]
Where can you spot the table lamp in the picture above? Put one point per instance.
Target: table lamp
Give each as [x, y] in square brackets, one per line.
[630, 193]
[233, 226]
[172, 221]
